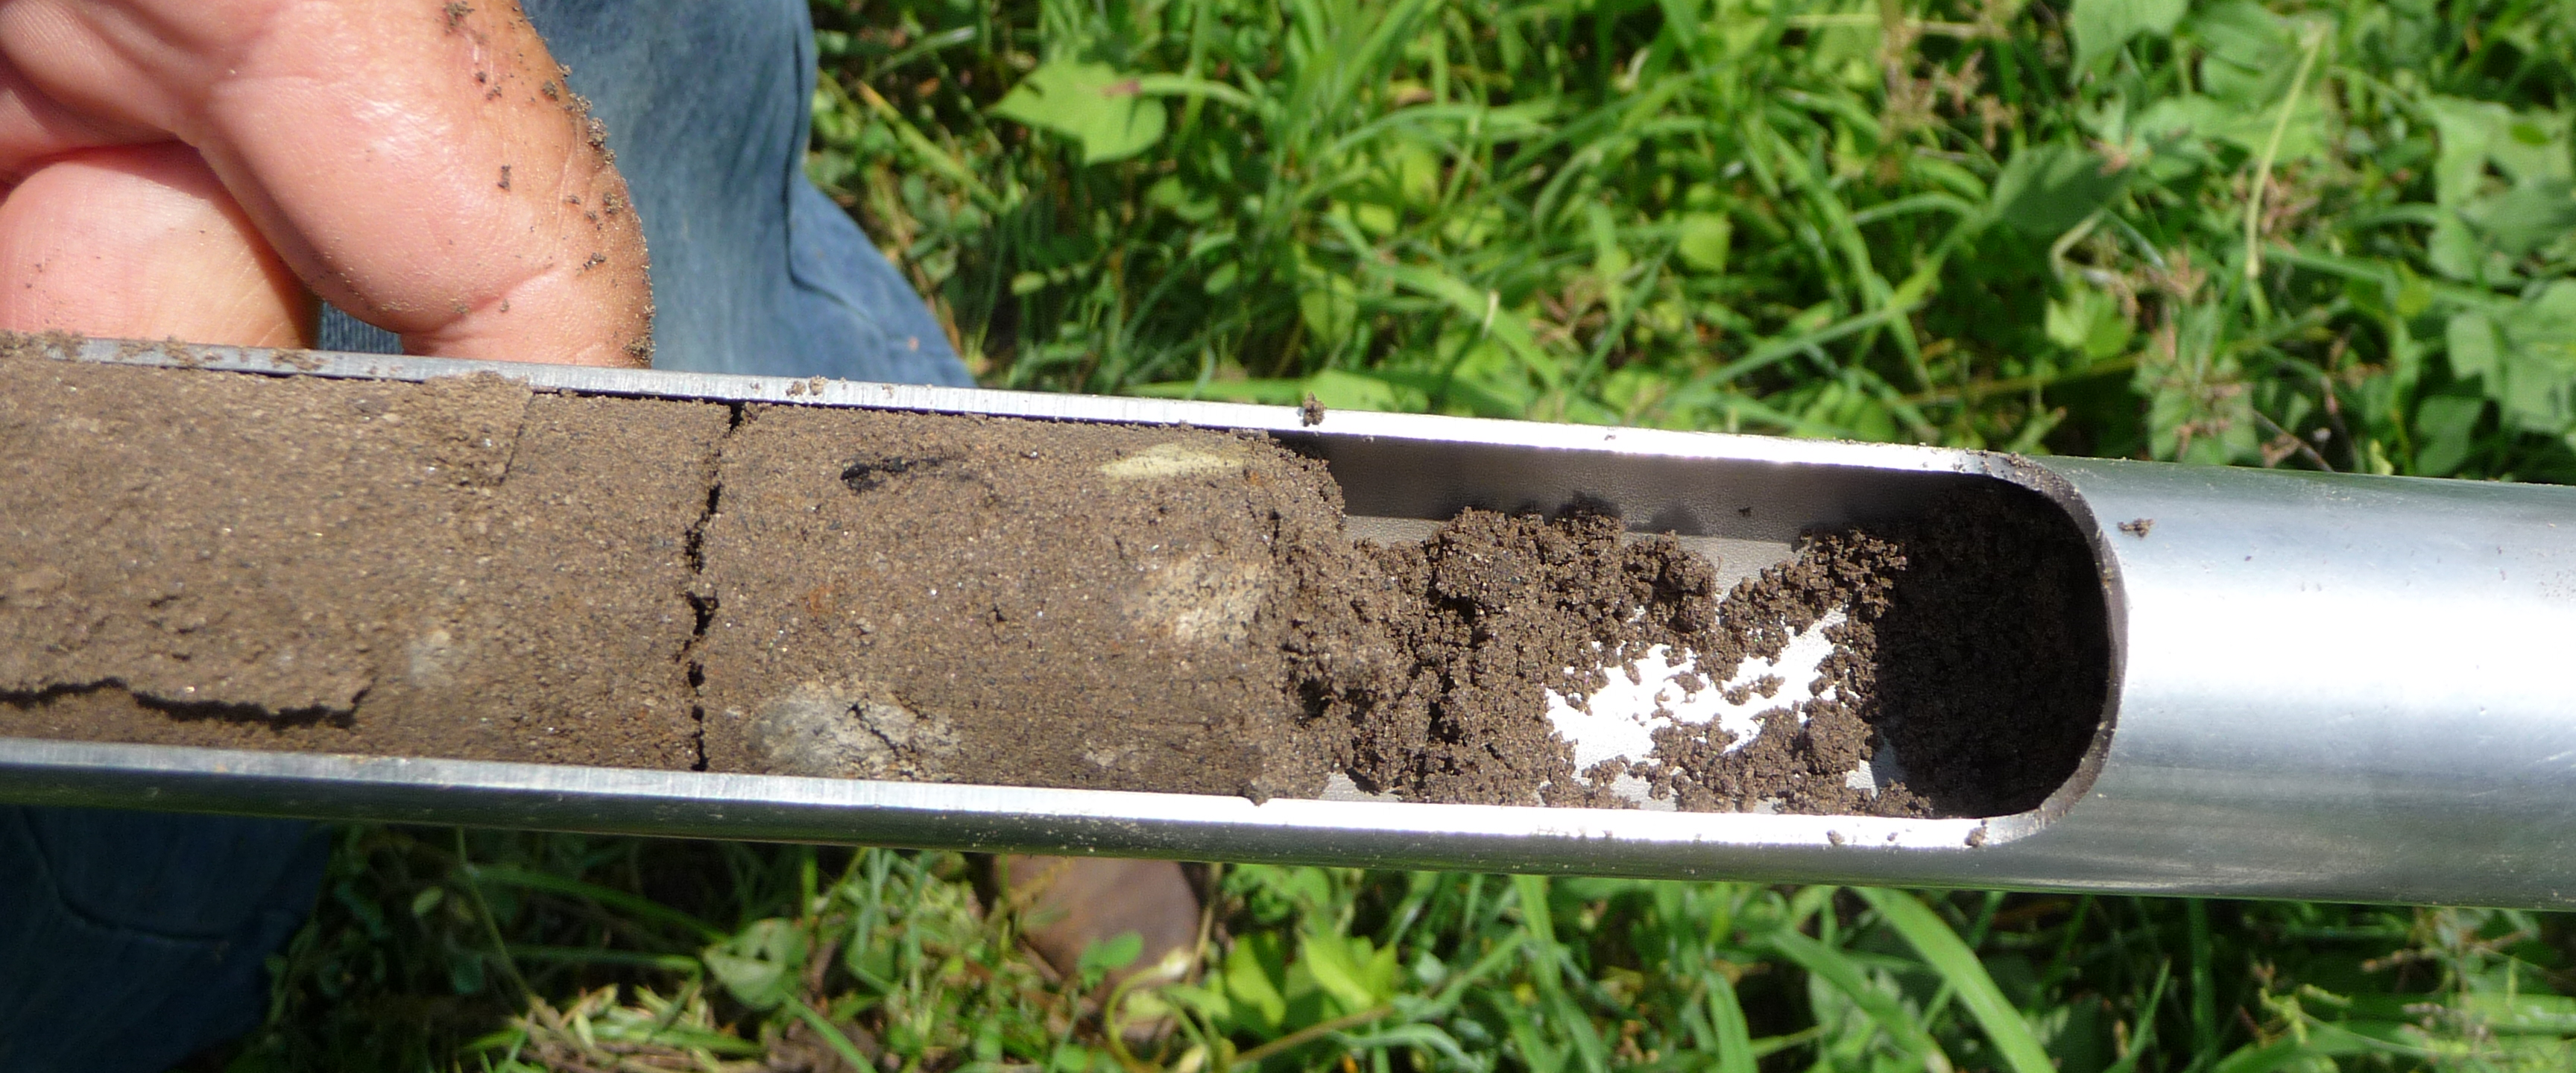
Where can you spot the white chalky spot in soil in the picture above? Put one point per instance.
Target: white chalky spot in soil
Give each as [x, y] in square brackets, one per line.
[1623, 717]
[1643, 697]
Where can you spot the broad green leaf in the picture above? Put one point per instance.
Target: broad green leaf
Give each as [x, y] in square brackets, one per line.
[2198, 122]
[1416, 173]
[1091, 103]
[2102, 26]
[2453, 248]
[2525, 218]
[1942, 948]
[2473, 348]
[2464, 130]
[1329, 302]
[1337, 970]
[1705, 238]
[1181, 200]
[1251, 980]
[1486, 380]
[1209, 1002]
[2446, 427]
[465, 975]
[2523, 147]
[2088, 322]
[2046, 189]
[2414, 296]
[2524, 357]
[2243, 52]
[1483, 309]
[1108, 955]
[763, 965]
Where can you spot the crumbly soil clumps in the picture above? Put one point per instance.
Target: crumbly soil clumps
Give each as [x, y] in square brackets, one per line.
[1482, 619]
[1971, 648]
[462, 568]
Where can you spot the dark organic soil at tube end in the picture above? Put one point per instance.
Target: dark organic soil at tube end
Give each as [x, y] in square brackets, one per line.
[1973, 647]
[1990, 664]
[464, 568]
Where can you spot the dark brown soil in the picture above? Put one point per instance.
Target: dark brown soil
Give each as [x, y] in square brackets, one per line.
[1990, 662]
[1972, 649]
[1488, 614]
[462, 568]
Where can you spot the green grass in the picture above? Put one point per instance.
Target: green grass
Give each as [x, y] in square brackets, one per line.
[2330, 234]
[528, 952]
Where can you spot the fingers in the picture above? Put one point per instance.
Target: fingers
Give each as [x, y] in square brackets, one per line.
[424, 167]
[141, 242]
[419, 163]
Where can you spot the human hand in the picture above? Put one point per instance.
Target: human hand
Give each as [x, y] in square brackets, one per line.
[203, 168]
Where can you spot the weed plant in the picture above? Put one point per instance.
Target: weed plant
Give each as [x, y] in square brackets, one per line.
[2330, 234]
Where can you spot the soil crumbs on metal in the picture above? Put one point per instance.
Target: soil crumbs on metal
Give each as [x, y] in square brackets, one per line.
[465, 569]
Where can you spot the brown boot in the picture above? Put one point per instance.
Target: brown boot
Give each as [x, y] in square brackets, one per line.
[1073, 902]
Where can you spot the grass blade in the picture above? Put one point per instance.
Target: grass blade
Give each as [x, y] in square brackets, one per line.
[1847, 977]
[1547, 971]
[1931, 937]
[633, 905]
[1734, 1036]
[2146, 1037]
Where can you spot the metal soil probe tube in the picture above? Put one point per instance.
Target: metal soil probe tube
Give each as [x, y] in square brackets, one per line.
[2322, 686]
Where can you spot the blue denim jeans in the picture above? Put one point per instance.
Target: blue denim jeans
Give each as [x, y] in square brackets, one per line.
[131, 940]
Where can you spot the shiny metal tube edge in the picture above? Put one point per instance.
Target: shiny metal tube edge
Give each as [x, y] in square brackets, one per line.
[2328, 686]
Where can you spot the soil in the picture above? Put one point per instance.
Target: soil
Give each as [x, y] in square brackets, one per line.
[463, 568]
[1972, 651]
[458, 568]
[1487, 615]
[1012, 602]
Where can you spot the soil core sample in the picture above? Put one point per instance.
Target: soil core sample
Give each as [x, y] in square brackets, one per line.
[457, 568]
[1010, 602]
[466, 568]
